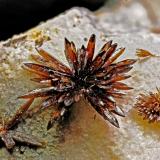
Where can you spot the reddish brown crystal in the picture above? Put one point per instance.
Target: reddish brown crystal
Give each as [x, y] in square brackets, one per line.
[9, 136]
[144, 53]
[97, 79]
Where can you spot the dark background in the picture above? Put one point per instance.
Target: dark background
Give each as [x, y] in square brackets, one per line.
[17, 16]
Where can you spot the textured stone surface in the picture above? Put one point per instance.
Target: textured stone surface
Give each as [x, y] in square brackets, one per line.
[85, 137]
[129, 18]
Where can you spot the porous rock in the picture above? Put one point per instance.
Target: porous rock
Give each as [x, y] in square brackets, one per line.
[88, 136]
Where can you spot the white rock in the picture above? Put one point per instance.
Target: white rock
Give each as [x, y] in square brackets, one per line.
[91, 138]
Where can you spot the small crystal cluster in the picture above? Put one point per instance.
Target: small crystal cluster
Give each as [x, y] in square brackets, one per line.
[148, 106]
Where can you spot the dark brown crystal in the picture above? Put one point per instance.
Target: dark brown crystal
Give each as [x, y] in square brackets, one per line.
[97, 79]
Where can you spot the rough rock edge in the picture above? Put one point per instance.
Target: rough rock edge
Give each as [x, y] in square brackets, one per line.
[18, 48]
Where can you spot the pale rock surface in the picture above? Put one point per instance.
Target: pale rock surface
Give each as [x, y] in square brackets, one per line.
[86, 138]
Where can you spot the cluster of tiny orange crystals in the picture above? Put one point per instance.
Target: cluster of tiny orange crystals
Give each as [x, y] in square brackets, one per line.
[149, 106]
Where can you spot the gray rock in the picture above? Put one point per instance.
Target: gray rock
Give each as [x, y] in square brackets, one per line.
[86, 138]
